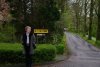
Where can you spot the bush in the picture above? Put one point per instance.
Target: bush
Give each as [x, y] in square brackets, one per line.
[13, 53]
[45, 53]
[57, 38]
[7, 34]
[10, 56]
[60, 48]
[98, 44]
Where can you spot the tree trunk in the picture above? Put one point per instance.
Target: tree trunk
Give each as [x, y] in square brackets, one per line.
[91, 20]
[85, 18]
[98, 28]
[77, 23]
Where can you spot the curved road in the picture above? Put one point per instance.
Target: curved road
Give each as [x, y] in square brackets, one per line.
[83, 53]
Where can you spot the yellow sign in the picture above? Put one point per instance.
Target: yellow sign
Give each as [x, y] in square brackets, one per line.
[40, 30]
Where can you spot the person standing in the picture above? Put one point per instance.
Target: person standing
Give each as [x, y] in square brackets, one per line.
[28, 42]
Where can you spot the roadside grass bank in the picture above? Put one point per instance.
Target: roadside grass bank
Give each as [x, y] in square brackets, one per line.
[92, 41]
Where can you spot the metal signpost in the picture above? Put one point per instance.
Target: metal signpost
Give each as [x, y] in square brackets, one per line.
[40, 33]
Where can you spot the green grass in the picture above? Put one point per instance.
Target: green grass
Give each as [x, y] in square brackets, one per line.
[64, 42]
[14, 46]
[93, 41]
[10, 46]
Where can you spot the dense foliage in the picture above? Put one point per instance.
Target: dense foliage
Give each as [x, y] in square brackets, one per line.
[36, 13]
[7, 34]
[83, 17]
[60, 48]
[12, 53]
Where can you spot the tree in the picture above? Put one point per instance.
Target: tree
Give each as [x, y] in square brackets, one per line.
[62, 5]
[4, 11]
[91, 19]
[36, 13]
[98, 25]
[85, 17]
[78, 12]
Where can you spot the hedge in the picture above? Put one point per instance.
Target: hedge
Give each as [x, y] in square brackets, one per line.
[60, 48]
[98, 44]
[45, 53]
[13, 53]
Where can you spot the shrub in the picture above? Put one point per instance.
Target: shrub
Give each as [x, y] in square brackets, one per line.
[10, 56]
[11, 53]
[7, 34]
[98, 44]
[14, 55]
[57, 38]
[45, 53]
[60, 48]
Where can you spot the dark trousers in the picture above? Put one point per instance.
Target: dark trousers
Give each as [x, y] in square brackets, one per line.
[28, 60]
[28, 57]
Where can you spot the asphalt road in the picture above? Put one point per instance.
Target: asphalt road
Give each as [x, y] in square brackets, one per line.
[83, 54]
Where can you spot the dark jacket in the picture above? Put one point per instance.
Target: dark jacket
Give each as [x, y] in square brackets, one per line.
[32, 40]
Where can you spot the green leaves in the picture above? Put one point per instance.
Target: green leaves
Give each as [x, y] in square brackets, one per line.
[12, 53]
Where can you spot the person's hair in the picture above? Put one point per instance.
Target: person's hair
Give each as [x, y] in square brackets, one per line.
[27, 27]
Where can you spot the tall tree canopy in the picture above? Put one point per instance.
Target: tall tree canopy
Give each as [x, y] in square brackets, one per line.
[38, 13]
